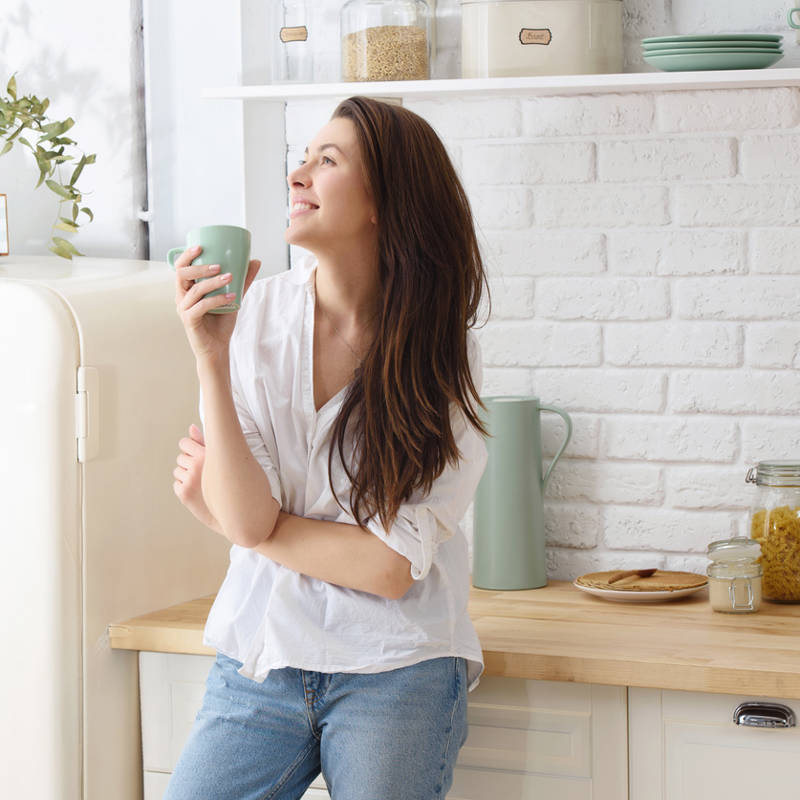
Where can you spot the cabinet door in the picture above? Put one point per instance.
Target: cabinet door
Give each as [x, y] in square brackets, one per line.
[155, 785]
[542, 740]
[172, 687]
[686, 746]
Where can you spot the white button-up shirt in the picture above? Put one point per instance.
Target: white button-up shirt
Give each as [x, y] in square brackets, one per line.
[268, 616]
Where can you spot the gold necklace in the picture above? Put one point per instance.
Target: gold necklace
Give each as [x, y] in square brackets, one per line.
[339, 334]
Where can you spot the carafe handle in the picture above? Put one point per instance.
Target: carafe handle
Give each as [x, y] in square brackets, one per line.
[567, 436]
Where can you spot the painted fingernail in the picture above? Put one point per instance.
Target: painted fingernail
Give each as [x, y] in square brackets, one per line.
[214, 268]
[226, 277]
[230, 295]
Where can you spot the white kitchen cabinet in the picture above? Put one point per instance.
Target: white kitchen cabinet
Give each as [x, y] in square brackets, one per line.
[527, 739]
[686, 746]
[543, 740]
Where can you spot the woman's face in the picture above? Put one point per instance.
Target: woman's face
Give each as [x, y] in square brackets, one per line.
[330, 206]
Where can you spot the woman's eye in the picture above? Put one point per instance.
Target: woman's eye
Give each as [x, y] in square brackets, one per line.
[326, 160]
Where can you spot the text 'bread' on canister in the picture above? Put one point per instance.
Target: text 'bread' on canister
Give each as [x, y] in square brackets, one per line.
[505, 38]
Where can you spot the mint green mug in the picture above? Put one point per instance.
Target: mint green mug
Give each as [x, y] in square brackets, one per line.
[508, 542]
[226, 245]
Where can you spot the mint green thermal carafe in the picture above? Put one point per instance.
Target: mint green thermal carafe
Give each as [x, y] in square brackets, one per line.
[508, 546]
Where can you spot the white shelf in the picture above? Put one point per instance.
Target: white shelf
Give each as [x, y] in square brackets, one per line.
[529, 86]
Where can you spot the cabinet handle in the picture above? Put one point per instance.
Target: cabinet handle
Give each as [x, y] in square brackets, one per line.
[764, 715]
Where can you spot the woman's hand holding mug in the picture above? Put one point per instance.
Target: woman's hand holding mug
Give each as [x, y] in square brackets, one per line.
[206, 294]
[209, 333]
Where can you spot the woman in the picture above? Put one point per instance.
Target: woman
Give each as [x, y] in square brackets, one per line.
[341, 449]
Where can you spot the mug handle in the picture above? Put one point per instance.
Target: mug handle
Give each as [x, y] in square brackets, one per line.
[567, 436]
[792, 23]
[173, 254]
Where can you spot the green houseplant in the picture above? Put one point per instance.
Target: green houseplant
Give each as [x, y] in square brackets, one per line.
[21, 117]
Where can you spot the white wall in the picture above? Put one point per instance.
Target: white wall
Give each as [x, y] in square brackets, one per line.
[642, 251]
[84, 56]
[643, 254]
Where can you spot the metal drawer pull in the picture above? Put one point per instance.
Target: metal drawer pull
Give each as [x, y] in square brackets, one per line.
[764, 715]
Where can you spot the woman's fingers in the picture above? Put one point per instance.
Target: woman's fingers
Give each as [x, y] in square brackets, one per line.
[196, 311]
[187, 256]
[186, 273]
[196, 434]
[183, 270]
[191, 447]
[195, 295]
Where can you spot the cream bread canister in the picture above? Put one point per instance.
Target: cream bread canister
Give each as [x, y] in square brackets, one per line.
[504, 38]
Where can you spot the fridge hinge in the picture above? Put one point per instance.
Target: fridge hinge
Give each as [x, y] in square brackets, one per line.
[87, 413]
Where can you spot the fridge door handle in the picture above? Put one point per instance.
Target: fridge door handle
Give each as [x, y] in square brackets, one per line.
[87, 413]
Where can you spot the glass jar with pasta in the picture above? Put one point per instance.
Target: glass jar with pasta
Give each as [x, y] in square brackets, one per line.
[775, 525]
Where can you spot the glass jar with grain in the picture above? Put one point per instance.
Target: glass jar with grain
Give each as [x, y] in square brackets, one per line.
[385, 40]
[775, 525]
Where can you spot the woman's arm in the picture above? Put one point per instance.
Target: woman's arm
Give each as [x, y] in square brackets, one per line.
[331, 551]
[339, 553]
[234, 486]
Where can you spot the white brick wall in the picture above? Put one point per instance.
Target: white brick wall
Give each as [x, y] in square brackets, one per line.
[644, 262]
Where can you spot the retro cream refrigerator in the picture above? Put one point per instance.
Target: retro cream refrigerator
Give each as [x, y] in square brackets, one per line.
[97, 384]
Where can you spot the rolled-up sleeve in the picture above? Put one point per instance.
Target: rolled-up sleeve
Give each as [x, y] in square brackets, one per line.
[255, 441]
[425, 522]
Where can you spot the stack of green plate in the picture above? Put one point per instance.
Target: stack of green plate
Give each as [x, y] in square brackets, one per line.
[713, 51]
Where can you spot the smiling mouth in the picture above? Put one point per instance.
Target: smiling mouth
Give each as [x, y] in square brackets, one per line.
[302, 208]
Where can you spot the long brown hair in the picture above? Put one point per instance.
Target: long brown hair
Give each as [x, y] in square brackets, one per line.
[431, 279]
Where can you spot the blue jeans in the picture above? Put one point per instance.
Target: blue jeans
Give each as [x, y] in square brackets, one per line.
[379, 736]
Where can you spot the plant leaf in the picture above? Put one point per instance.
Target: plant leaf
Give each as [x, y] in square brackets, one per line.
[60, 251]
[77, 171]
[57, 128]
[6, 148]
[12, 87]
[44, 165]
[60, 190]
[66, 245]
[66, 225]
[88, 214]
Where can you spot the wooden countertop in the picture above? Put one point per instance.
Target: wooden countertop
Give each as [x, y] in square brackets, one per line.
[560, 634]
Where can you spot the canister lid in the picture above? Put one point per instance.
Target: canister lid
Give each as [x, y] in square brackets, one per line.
[736, 549]
[775, 473]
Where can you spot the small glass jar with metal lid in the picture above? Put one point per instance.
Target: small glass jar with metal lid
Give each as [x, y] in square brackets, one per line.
[734, 575]
[775, 525]
[385, 40]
